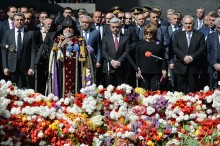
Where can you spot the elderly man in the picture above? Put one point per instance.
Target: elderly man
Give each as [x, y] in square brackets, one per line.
[114, 46]
[69, 65]
[93, 40]
[188, 47]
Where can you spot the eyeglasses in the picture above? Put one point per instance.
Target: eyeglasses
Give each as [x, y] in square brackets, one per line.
[129, 18]
[121, 17]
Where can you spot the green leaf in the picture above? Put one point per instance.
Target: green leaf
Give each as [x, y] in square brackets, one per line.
[192, 142]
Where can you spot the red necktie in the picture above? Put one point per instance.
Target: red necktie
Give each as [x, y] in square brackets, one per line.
[116, 43]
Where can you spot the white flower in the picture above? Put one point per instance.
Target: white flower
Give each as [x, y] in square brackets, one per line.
[100, 87]
[97, 141]
[40, 134]
[97, 120]
[206, 88]
[208, 111]
[150, 110]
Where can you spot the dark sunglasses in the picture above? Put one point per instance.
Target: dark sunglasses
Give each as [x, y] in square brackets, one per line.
[148, 32]
[121, 17]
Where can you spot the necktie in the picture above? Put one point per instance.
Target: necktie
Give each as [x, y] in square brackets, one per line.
[85, 36]
[116, 43]
[188, 38]
[140, 34]
[19, 43]
[12, 25]
[175, 28]
[200, 24]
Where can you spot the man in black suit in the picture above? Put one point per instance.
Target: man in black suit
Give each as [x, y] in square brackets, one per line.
[129, 30]
[199, 22]
[19, 54]
[6, 25]
[9, 24]
[188, 47]
[161, 20]
[97, 19]
[174, 26]
[114, 47]
[213, 56]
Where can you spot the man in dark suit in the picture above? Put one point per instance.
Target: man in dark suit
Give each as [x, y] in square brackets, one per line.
[114, 47]
[97, 19]
[174, 26]
[206, 31]
[213, 56]
[93, 39]
[140, 26]
[199, 22]
[161, 20]
[188, 47]
[8, 23]
[129, 30]
[19, 55]
[211, 27]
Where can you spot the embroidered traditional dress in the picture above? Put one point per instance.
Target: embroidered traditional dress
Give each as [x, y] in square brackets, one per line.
[70, 66]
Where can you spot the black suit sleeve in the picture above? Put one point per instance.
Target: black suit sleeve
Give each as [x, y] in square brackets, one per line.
[176, 48]
[33, 51]
[4, 52]
[105, 50]
[197, 54]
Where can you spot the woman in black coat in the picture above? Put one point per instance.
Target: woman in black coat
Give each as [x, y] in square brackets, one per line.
[152, 69]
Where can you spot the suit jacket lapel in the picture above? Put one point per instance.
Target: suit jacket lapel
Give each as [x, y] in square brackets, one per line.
[192, 38]
[13, 37]
[120, 41]
[24, 38]
[111, 39]
[90, 36]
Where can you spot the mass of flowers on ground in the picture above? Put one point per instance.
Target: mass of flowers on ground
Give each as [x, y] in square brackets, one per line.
[118, 116]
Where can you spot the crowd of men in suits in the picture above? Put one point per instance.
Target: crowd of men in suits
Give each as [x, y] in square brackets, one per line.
[192, 45]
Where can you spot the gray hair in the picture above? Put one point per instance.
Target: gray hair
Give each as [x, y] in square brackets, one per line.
[18, 14]
[188, 16]
[217, 21]
[115, 20]
[87, 17]
[170, 10]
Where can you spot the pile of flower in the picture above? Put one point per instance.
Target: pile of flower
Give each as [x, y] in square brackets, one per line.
[118, 116]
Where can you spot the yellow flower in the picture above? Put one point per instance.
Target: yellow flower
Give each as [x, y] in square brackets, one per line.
[140, 90]
[150, 143]
[48, 103]
[24, 119]
[84, 115]
[43, 124]
[160, 134]
[56, 122]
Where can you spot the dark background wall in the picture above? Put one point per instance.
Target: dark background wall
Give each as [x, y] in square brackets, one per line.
[185, 6]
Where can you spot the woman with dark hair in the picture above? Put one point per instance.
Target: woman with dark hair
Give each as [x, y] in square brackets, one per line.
[151, 68]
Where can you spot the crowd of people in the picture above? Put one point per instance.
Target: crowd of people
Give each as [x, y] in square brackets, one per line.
[61, 53]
